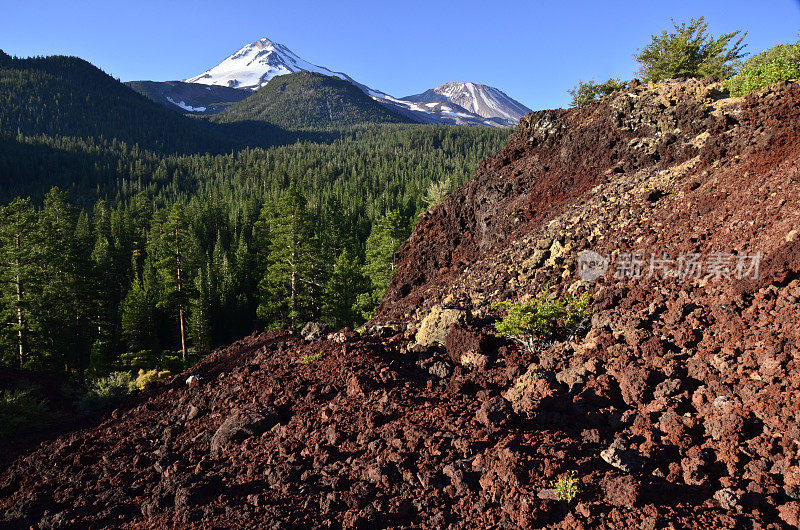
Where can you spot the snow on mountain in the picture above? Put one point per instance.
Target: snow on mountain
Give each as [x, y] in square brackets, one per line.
[254, 65]
[483, 100]
[452, 103]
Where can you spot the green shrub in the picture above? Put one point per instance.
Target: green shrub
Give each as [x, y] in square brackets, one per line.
[23, 410]
[107, 392]
[546, 316]
[585, 93]
[567, 487]
[437, 191]
[779, 63]
[145, 378]
[311, 358]
[690, 51]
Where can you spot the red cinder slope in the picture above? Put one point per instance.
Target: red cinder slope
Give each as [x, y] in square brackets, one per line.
[677, 405]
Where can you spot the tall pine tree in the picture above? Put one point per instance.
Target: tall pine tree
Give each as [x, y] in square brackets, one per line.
[290, 288]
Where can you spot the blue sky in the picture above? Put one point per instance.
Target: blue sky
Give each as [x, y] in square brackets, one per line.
[534, 51]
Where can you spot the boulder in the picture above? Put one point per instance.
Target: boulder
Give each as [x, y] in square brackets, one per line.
[533, 390]
[436, 325]
[468, 345]
[243, 424]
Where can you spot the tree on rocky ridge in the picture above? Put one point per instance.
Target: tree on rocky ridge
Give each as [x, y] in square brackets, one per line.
[690, 51]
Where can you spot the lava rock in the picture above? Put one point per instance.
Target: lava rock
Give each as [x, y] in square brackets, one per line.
[440, 369]
[243, 424]
[621, 456]
[494, 412]
[621, 490]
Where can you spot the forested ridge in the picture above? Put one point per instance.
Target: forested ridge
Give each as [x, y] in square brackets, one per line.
[117, 254]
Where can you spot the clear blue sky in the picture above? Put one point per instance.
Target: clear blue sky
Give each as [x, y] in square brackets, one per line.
[534, 51]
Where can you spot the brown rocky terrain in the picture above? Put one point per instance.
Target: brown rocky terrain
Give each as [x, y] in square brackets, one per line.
[676, 407]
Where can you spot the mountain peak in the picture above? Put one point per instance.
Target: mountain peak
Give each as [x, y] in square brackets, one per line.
[482, 100]
[255, 64]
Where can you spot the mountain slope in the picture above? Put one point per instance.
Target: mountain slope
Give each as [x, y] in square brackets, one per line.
[305, 100]
[189, 97]
[485, 101]
[67, 96]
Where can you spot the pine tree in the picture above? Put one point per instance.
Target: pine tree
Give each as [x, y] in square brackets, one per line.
[342, 290]
[19, 250]
[176, 250]
[57, 306]
[200, 315]
[384, 239]
[139, 314]
[289, 289]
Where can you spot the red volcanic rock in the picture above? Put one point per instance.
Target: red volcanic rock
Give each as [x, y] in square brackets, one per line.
[621, 490]
[676, 402]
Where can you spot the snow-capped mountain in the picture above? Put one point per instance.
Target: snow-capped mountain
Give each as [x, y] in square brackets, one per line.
[483, 100]
[254, 65]
[453, 103]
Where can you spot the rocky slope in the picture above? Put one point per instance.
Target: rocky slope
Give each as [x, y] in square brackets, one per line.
[676, 406]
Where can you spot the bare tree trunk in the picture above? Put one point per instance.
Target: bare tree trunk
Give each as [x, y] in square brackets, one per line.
[180, 293]
[20, 324]
[20, 318]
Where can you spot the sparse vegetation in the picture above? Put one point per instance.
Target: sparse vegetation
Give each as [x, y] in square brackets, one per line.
[567, 486]
[107, 392]
[778, 63]
[544, 317]
[311, 358]
[690, 51]
[585, 93]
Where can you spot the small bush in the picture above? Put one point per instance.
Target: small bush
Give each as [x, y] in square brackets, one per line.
[311, 358]
[779, 63]
[107, 392]
[567, 487]
[23, 410]
[586, 93]
[437, 191]
[546, 316]
[148, 377]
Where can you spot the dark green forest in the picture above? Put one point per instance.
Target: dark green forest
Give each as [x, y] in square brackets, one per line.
[126, 245]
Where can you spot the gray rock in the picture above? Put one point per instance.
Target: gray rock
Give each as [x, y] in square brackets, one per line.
[728, 499]
[439, 369]
[313, 331]
[621, 456]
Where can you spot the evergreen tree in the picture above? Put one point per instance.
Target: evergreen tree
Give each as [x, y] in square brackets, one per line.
[19, 249]
[290, 286]
[342, 290]
[690, 51]
[139, 314]
[176, 251]
[384, 239]
[200, 315]
[58, 305]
